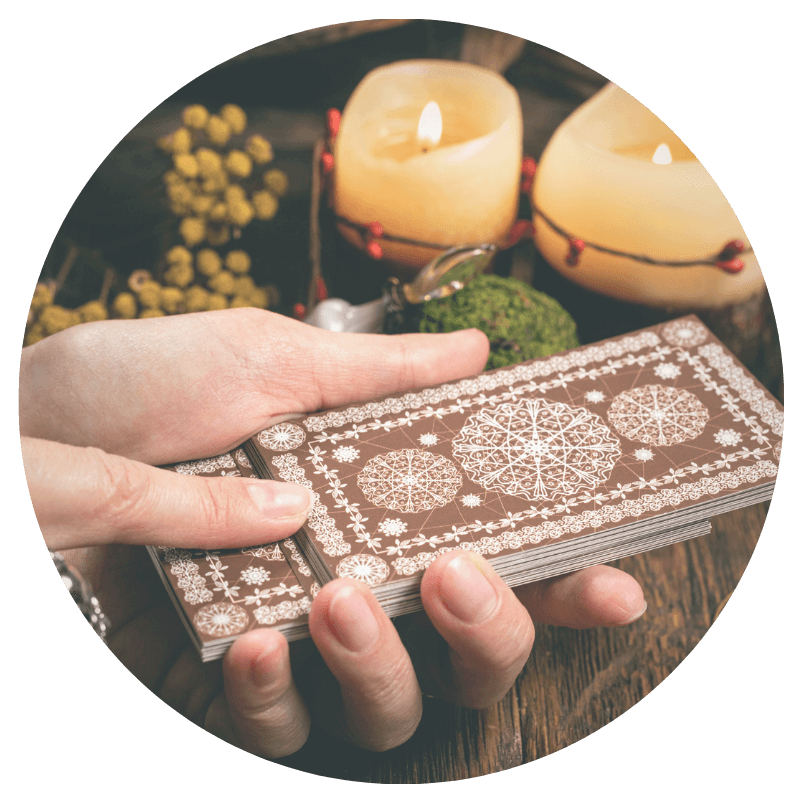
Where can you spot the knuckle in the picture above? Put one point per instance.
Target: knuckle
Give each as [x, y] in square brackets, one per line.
[123, 491]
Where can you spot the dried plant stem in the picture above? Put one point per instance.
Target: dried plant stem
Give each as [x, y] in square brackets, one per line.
[315, 244]
[108, 279]
[72, 255]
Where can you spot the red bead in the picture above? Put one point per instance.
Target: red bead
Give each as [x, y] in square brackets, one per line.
[334, 120]
[299, 311]
[321, 290]
[731, 249]
[375, 230]
[526, 185]
[528, 167]
[732, 266]
[577, 246]
[375, 250]
[519, 230]
[327, 162]
[572, 260]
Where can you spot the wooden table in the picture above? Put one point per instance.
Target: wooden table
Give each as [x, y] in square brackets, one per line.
[575, 681]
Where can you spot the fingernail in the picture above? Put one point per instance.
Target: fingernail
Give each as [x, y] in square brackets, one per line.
[636, 615]
[278, 500]
[465, 591]
[351, 620]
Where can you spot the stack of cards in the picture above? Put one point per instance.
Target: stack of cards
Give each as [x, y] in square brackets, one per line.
[545, 467]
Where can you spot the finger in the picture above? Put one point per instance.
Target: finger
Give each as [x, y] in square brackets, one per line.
[381, 701]
[352, 367]
[83, 496]
[489, 632]
[597, 596]
[262, 711]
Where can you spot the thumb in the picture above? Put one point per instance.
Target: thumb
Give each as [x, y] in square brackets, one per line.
[83, 496]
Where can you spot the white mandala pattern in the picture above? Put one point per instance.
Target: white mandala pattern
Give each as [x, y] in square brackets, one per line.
[365, 568]
[643, 454]
[471, 500]
[666, 371]
[206, 465]
[242, 458]
[427, 439]
[221, 619]
[393, 527]
[595, 396]
[255, 576]
[777, 447]
[536, 449]
[684, 333]
[658, 414]
[281, 437]
[288, 609]
[727, 437]
[345, 454]
[409, 480]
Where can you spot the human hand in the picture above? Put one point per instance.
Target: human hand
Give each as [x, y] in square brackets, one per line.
[107, 500]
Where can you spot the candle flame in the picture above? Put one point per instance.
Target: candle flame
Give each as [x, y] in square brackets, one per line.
[429, 130]
[662, 154]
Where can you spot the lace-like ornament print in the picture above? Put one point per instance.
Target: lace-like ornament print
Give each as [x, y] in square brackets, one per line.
[221, 619]
[366, 568]
[284, 436]
[536, 449]
[409, 480]
[206, 465]
[684, 333]
[658, 414]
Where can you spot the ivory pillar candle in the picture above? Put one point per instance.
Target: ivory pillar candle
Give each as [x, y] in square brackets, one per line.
[615, 175]
[453, 186]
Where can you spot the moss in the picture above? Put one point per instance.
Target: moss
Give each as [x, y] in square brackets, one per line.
[521, 323]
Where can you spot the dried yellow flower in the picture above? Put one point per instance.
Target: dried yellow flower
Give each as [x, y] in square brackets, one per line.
[196, 299]
[276, 181]
[148, 313]
[218, 213]
[124, 306]
[179, 255]
[217, 301]
[237, 261]
[171, 177]
[93, 311]
[235, 193]
[186, 164]
[150, 294]
[210, 161]
[222, 282]
[259, 149]
[238, 164]
[243, 287]
[218, 130]
[240, 302]
[193, 230]
[171, 299]
[138, 278]
[180, 275]
[209, 262]
[57, 318]
[240, 213]
[265, 205]
[260, 298]
[34, 334]
[195, 117]
[215, 183]
[42, 296]
[181, 141]
[234, 116]
[202, 204]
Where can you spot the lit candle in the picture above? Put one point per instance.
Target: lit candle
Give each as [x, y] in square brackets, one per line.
[432, 151]
[614, 175]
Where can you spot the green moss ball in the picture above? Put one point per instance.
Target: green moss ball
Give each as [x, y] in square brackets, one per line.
[521, 323]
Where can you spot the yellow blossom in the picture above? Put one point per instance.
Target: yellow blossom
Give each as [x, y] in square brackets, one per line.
[259, 149]
[217, 301]
[196, 299]
[259, 297]
[235, 193]
[243, 286]
[148, 313]
[170, 177]
[240, 213]
[222, 282]
[34, 334]
[193, 230]
[218, 213]
[150, 294]
[180, 275]
[265, 205]
[218, 130]
[171, 299]
[276, 181]
[217, 236]
[215, 183]
[195, 117]
[202, 204]
[208, 262]
[124, 306]
[93, 311]
[42, 296]
[209, 161]
[234, 116]
[186, 164]
[179, 255]
[238, 164]
[57, 318]
[237, 261]
[240, 302]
